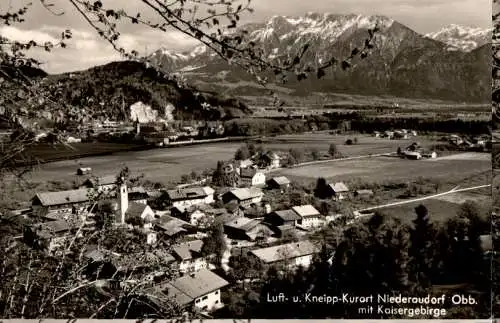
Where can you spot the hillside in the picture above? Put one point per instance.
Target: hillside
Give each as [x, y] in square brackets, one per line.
[109, 90]
[403, 62]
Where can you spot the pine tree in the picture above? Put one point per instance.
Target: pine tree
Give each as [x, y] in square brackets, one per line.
[422, 235]
[321, 188]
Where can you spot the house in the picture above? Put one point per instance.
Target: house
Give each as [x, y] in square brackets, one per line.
[172, 227]
[138, 195]
[199, 290]
[103, 184]
[245, 163]
[49, 235]
[363, 193]
[83, 171]
[339, 190]
[252, 177]
[61, 203]
[413, 155]
[189, 256]
[280, 182]
[243, 228]
[244, 196]
[283, 217]
[196, 215]
[185, 197]
[309, 217]
[291, 254]
[140, 211]
[270, 160]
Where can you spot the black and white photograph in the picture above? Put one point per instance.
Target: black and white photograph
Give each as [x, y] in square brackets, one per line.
[188, 160]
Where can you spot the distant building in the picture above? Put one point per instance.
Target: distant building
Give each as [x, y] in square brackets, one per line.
[185, 197]
[270, 160]
[363, 193]
[243, 228]
[104, 183]
[200, 290]
[283, 217]
[49, 235]
[310, 218]
[173, 227]
[339, 191]
[133, 211]
[83, 171]
[291, 254]
[252, 177]
[62, 202]
[280, 182]
[189, 256]
[244, 196]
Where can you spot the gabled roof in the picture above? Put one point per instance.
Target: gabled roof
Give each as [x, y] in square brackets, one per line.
[281, 180]
[305, 210]
[186, 250]
[63, 197]
[186, 289]
[208, 190]
[339, 187]
[54, 226]
[281, 252]
[136, 210]
[287, 215]
[243, 223]
[172, 226]
[247, 172]
[246, 193]
[186, 193]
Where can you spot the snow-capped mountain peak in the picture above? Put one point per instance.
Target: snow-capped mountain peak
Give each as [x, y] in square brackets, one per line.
[464, 38]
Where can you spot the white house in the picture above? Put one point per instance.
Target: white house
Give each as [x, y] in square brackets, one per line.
[291, 254]
[340, 191]
[189, 257]
[310, 218]
[252, 177]
[200, 290]
[185, 197]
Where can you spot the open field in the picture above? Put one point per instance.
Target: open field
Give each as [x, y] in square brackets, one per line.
[390, 168]
[169, 164]
[439, 209]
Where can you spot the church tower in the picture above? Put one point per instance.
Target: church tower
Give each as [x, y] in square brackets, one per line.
[123, 206]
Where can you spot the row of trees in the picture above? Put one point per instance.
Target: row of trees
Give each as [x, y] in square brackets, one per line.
[383, 255]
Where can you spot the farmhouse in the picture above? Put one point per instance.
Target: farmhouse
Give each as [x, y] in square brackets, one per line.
[270, 160]
[339, 191]
[244, 196]
[173, 227]
[284, 217]
[61, 203]
[252, 177]
[280, 182]
[140, 213]
[196, 215]
[200, 290]
[138, 195]
[309, 217]
[290, 255]
[189, 256]
[49, 235]
[243, 228]
[363, 193]
[83, 171]
[185, 197]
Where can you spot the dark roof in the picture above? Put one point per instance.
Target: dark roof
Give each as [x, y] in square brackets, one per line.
[290, 250]
[172, 226]
[63, 197]
[186, 193]
[248, 172]
[287, 215]
[186, 250]
[187, 288]
[135, 210]
[242, 223]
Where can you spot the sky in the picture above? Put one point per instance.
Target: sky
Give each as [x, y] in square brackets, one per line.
[86, 49]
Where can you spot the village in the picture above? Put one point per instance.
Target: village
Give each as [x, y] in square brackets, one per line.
[243, 210]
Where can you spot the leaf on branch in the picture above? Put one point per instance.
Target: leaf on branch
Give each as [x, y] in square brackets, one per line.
[301, 76]
[215, 21]
[364, 55]
[354, 52]
[134, 20]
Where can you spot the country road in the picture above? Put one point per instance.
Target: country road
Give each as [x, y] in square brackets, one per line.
[454, 190]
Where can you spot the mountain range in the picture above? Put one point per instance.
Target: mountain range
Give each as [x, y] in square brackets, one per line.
[451, 64]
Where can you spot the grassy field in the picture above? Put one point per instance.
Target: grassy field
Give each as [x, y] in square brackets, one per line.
[440, 210]
[393, 168]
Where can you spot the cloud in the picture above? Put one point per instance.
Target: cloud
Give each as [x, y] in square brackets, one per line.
[86, 49]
